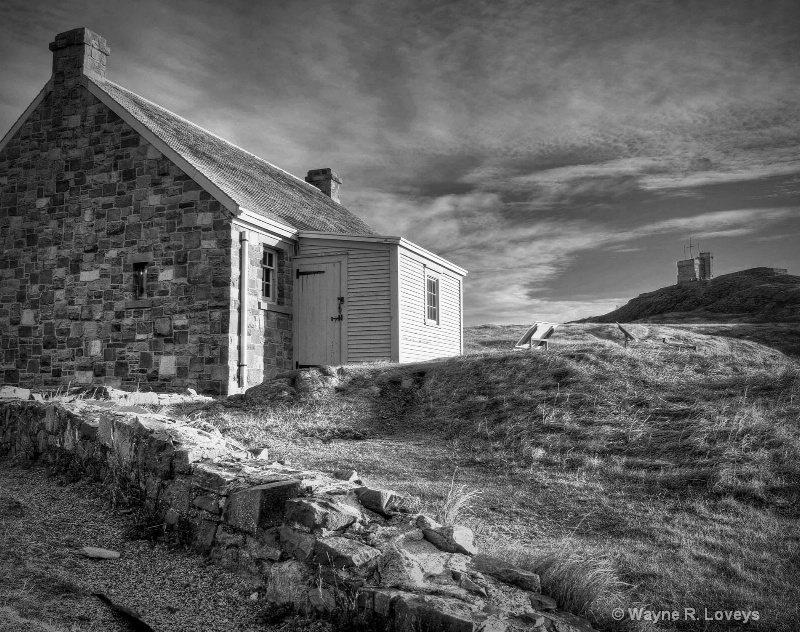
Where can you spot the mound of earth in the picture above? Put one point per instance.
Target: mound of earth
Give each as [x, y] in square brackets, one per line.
[757, 295]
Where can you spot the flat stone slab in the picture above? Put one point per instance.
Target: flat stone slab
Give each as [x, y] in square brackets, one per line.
[507, 573]
[343, 552]
[99, 554]
[316, 513]
[14, 392]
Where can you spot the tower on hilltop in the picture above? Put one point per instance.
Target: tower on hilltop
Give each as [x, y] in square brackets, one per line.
[695, 268]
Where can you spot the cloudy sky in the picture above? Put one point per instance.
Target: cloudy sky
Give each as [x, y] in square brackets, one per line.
[562, 151]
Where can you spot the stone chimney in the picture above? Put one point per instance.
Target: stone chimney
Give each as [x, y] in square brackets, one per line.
[77, 53]
[327, 181]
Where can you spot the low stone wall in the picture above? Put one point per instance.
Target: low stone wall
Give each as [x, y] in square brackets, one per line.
[315, 542]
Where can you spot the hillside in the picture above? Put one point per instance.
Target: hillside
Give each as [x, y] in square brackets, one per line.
[753, 296]
[647, 475]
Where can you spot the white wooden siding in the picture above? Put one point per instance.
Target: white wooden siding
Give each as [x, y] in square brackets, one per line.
[368, 301]
[419, 341]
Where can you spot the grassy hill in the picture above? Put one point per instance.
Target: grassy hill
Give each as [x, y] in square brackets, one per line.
[643, 476]
[752, 296]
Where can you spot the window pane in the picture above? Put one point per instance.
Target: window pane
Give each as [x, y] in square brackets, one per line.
[432, 299]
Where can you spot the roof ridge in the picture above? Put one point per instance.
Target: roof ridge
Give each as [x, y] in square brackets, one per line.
[202, 129]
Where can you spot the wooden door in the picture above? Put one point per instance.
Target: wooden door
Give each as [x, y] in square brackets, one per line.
[320, 312]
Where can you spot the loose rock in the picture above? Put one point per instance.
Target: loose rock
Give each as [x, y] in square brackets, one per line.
[453, 539]
[100, 554]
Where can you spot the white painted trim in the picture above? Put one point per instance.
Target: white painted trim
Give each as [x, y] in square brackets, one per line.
[272, 240]
[26, 114]
[318, 234]
[432, 257]
[436, 275]
[268, 306]
[283, 230]
[394, 302]
[244, 257]
[461, 311]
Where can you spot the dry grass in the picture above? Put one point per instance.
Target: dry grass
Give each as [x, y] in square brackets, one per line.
[673, 474]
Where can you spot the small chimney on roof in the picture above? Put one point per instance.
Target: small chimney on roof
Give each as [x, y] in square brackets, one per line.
[77, 53]
[327, 181]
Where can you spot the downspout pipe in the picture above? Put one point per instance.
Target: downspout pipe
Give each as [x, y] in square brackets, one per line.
[243, 283]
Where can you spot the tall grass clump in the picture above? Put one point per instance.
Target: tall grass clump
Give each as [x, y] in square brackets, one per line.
[457, 504]
[580, 581]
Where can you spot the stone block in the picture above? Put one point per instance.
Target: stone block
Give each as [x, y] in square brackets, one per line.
[297, 544]
[316, 513]
[453, 539]
[213, 478]
[260, 506]
[507, 573]
[383, 501]
[156, 452]
[84, 377]
[163, 326]
[167, 366]
[90, 275]
[343, 552]
[177, 494]
[207, 503]
[425, 612]
[28, 317]
[204, 537]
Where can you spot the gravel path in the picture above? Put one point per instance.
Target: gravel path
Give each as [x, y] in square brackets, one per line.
[46, 585]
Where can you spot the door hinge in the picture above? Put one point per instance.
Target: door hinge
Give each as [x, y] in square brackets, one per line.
[298, 274]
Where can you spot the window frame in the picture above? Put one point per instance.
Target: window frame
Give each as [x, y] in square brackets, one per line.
[269, 274]
[431, 275]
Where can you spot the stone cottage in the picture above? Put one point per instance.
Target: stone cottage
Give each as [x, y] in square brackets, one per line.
[141, 251]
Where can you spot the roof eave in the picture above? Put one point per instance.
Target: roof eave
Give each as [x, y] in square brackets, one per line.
[260, 221]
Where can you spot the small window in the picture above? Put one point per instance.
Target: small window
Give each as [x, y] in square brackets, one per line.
[140, 278]
[269, 287]
[431, 299]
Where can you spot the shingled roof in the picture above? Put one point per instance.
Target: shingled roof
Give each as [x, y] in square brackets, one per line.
[251, 182]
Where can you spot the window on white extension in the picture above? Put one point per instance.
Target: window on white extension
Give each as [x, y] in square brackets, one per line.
[269, 286]
[431, 298]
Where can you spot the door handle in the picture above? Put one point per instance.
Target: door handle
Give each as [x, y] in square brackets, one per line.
[339, 317]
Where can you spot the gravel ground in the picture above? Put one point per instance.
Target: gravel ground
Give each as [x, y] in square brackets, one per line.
[45, 584]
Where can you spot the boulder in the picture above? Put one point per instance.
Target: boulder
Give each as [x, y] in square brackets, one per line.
[382, 501]
[507, 573]
[288, 583]
[453, 539]
[297, 544]
[320, 513]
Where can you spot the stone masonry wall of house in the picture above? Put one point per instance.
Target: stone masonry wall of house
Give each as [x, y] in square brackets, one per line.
[312, 542]
[82, 193]
[269, 332]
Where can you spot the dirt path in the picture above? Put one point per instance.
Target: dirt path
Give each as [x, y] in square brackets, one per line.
[46, 585]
